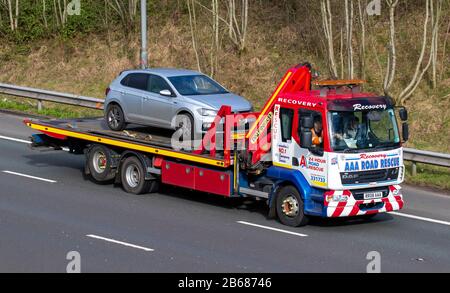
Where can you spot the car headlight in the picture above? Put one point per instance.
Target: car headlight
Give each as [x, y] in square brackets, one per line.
[207, 112]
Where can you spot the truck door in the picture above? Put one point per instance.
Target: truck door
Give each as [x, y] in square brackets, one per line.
[282, 140]
[312, 161]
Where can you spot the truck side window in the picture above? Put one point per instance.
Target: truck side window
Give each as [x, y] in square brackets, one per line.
[317, 130]
[286, 119]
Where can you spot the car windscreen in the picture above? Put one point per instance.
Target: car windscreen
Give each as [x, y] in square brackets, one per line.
[195, 85]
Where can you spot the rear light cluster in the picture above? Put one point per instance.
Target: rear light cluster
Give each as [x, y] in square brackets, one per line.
[107, 91]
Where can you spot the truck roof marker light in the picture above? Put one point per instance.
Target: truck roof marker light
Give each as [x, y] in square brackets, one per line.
[339, 83]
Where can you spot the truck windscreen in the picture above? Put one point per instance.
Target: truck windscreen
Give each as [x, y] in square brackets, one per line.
[363, 130]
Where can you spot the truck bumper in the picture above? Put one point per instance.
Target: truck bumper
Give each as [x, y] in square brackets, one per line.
[353, 207]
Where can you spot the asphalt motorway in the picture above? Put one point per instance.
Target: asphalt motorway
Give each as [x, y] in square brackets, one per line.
[48, 209]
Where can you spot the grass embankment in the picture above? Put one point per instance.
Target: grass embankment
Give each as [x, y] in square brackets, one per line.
[429, 176]
[49, 110]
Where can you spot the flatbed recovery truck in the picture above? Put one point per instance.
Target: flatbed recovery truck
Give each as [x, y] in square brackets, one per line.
[268, 155]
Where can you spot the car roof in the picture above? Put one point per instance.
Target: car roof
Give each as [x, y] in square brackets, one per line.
[166, 72]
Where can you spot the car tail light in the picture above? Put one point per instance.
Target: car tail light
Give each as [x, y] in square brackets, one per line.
[107, 91]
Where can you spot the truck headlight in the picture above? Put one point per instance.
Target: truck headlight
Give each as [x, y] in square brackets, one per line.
[207, 112]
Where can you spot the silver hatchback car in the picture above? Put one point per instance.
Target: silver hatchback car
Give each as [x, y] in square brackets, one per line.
[161, 97]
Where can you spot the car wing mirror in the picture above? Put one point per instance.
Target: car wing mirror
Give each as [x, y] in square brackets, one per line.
[165, 93]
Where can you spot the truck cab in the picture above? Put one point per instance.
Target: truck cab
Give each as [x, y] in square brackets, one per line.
[341, 149]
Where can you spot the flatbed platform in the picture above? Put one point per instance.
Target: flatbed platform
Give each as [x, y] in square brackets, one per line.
[146, 139]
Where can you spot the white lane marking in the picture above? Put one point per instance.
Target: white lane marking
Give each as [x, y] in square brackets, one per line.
[270, 228]
[15, 139]
[30, 177]
[421, 218]
[120, 242]
[24, 141]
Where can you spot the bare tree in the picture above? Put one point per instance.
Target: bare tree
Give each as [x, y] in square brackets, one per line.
[341, 53]
[327, 23]
[215, 35]
[419, 73]
[215, 43]
[60, 12]
[362, 52]
[349, 36]
[237, 29]
[13, 13]
[127, 12]
[16, 17]
[444, 49]
[392, 58]
[435, 18]
[193, 26]
[44, 13]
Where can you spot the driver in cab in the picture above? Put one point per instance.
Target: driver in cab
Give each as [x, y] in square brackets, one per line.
[351, 129]
[317, 132]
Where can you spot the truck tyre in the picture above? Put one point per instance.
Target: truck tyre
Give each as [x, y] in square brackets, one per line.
[115, 118]
[133, 177]
[99, 160]
[290, 207]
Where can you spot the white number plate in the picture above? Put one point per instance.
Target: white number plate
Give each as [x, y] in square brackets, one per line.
[373, 195]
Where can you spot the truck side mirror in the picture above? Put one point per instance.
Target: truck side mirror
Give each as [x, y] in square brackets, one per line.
[403, 114]
[307, 122]
[306, 138]
[405, 131]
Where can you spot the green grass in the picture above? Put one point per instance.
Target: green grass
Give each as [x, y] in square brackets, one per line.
[49, 109]
[429, 176]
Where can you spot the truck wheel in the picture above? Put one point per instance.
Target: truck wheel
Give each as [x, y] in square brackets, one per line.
[99, 160]
[115, 118]
[290, 208]
[133, 177]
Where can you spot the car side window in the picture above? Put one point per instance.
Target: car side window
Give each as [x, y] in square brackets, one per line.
[156, 84]
[136, 80]
[124, 80]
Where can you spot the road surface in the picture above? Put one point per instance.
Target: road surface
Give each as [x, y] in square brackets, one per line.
[47, 209]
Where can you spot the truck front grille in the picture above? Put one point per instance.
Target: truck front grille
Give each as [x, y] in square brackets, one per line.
[349, 178]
